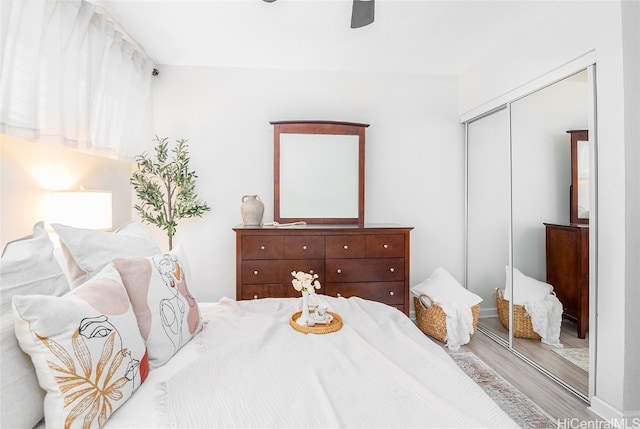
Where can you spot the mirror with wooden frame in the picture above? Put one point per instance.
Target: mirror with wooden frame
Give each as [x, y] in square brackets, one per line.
[579, 206]
[319, 172]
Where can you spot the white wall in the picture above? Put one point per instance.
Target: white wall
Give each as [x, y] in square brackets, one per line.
[414, 154]
[631, 61]
[572, 30]
[488, 206]
[29, 169]
[541, 164]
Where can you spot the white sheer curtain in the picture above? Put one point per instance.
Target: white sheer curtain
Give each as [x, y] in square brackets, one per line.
[72, 75]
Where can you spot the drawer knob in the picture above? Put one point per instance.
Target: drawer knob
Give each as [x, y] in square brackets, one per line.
[386, 246]
[262, 247]
[339, 271]
[393, 270]
[345, 247]
[304, 247]
[391, 293]
[255, 273]
[338, 295]
[255, 296]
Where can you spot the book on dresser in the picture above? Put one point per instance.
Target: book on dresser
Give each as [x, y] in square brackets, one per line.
[370, 261]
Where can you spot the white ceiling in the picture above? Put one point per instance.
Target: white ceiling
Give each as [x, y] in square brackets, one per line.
[408, 36]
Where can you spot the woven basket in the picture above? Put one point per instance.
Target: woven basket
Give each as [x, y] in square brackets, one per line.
[522, 327]
[321, 328]
[433, 321]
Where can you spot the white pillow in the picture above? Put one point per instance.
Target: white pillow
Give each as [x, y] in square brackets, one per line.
[442, 288]
[28, 266]
[86, 348]
[87, 251]
[525, 289]
[167, 313]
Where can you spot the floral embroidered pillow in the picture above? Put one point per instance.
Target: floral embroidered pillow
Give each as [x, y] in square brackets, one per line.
[86, 347]
[167, 313]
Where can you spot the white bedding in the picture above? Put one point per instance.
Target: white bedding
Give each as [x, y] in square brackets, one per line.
[249, 368]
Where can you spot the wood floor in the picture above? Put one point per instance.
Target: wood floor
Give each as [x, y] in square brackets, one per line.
[556, 400]
[544, 356]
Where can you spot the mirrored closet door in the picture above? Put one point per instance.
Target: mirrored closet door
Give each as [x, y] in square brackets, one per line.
[521, 180]
[488, 212]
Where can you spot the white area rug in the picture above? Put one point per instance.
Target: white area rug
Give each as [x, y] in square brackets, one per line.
[525, 412]
[578, 356]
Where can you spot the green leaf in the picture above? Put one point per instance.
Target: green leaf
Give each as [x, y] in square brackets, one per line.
[165, 186]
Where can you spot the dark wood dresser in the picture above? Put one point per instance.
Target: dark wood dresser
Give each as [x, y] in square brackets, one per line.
[370, 261]
[568, 270]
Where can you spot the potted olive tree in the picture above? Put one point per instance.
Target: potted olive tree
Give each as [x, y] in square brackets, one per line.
[165, 187]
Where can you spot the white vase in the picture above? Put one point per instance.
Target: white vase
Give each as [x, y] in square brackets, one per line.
[252, 210]
[305, 318]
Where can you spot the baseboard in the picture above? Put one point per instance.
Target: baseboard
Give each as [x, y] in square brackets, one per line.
[615, 417]
[488, 312]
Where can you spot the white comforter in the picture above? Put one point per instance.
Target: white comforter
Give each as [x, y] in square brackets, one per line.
[249, 368]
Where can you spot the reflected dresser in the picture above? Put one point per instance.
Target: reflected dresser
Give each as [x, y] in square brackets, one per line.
[567, 258]
[370, 261]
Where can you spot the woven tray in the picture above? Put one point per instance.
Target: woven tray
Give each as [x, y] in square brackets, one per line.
[327, 328]
[522, 327]
[433, 321]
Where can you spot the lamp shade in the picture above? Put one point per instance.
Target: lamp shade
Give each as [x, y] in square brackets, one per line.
[80, 209]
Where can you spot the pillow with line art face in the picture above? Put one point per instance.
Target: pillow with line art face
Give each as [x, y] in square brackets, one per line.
[158, 287]
[86, 347]
[28, 266]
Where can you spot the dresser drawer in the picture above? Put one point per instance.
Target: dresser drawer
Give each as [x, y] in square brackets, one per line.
[262, 247]
[278, 271]
[364, 270]
[385, 246]
[391, 293]
[303, 246]
[269, 291]
[345, 246]
[370, 261]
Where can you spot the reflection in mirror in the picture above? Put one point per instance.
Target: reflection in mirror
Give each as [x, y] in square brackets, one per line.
[520, 171]
[319, 172]
[541, 205]
[310, 186]
[579, 176]
[488, 213]
[583, 179]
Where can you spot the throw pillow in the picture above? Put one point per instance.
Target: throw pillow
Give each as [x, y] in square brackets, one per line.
[28, 266]
[526, 289]
[167, 313]
[87, 251]
[86, 348]
[442, 288]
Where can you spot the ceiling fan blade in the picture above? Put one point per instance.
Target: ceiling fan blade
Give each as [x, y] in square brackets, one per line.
[362, 13]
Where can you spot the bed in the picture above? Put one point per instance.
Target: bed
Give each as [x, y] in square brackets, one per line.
[235, 364]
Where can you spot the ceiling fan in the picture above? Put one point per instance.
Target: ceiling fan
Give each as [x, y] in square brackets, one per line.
[362, 12]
